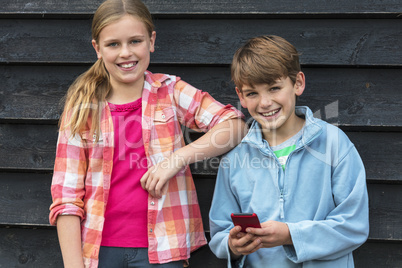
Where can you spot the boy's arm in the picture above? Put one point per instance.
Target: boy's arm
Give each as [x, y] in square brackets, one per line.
[224, 203]
[346, 227]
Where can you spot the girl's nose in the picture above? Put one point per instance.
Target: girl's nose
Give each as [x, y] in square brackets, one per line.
[125, 51]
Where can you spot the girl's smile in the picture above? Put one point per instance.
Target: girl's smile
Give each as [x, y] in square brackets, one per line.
[128, 66]
[125, 46]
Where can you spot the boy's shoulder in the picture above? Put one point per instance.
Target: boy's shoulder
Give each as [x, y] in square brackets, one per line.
[251, 144]
[325, 139]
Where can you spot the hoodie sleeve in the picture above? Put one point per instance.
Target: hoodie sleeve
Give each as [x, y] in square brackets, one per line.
[224, 203]
[346, 227]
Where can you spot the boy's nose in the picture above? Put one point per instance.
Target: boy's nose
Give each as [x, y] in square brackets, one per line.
[265, 102]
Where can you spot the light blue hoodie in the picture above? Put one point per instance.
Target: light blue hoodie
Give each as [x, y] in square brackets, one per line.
[321, 195]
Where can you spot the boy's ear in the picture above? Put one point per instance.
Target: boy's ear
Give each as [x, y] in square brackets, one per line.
[96, 47]
[300, 84]
[240, 95]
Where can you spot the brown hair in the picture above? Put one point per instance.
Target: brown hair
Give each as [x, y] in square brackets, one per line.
[91, 88]
[263, 60]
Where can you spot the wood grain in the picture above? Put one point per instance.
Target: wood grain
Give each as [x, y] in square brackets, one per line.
[361, 97]
[25, 199]
[39, 248]
[341, 42]
[221, 7]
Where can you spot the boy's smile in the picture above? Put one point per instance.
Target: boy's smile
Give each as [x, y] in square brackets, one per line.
[273, 107]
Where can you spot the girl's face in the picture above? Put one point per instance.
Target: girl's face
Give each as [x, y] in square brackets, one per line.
[125, 47]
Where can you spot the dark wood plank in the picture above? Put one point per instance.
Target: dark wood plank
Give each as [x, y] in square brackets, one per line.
[32, 147]
[27, 146]
[25, 199]
[365, 42]
[378, 255]
[353, 97]
[35, 92]
[385, 203]
[380, 154]
[252, 7]
[29, 248]
[361, 97]
[39, 248]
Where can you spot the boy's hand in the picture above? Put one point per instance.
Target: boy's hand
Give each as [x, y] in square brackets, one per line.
[272, 234]
[241, 243]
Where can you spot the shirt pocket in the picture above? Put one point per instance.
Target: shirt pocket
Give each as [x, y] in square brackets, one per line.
[165, 131]
[164, 116]
[88, 140]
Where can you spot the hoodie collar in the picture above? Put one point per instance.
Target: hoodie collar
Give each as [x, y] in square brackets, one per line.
[311, 129]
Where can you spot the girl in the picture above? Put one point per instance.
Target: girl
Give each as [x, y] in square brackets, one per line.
[122, 192]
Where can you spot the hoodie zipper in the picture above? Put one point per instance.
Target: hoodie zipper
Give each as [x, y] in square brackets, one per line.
[281, 185]
[280, 182]
[281, 203]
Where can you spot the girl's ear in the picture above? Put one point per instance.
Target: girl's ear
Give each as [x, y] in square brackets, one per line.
[300, 84]
[96, 47]
[152, 42]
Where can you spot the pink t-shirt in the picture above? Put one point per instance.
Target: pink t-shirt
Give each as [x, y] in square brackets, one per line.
[126, 210]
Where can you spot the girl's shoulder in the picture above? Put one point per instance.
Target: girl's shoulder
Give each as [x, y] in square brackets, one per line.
[160, 79]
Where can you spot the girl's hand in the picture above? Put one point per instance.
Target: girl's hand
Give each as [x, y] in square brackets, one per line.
[241, 243]
[157, 176]
[272, 234]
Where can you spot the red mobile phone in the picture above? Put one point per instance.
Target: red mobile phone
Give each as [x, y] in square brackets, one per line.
[245, 220]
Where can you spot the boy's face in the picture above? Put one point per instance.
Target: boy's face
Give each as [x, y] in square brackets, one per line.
[273, 106]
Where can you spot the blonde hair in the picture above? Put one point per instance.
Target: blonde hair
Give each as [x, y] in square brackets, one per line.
[263, 60]
[82, 107]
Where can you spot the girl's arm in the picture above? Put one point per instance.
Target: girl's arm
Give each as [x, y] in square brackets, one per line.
[196, 110]
[69, 233]
[219, 140]
[67, 209]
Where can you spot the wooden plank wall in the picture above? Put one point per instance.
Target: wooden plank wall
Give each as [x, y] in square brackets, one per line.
[351, 54]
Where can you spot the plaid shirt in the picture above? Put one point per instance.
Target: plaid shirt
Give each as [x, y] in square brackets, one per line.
[83, 169]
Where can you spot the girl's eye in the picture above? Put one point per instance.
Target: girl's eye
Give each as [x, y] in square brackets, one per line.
[112, 45]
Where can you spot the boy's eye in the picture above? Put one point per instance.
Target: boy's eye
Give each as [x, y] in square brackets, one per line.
[250, 94]
[135, 41]
[275, 88]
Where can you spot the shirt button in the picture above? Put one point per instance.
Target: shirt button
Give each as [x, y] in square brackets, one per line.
[163, 116]
[150, 230]
[152, 203]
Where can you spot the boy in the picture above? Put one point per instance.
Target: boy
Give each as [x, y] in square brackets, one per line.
[303, 177]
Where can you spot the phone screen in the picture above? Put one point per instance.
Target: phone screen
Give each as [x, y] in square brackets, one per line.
[245, 220]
